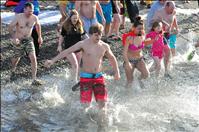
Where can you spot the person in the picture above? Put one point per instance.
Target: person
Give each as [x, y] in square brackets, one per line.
[132, 10]
[132, 52]
[87, 10]
[154, 8]
[167, 15]
[62, 8]
[19, 9]
[71, 33]
[22, 41]
[156, 35]
[122, 13]
[91, 77]
[107, 12]
[114, 33]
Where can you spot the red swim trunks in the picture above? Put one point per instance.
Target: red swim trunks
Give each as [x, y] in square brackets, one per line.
[92, 85]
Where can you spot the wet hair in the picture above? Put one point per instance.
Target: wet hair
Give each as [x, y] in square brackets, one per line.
[68, 26]
[138, 21]
[97, 28]
[28, 4]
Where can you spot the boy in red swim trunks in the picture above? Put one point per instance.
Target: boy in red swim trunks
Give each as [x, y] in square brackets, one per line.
[91, 78]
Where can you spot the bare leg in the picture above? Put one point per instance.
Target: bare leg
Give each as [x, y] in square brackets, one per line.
[75, 67]
[14, 62]
[116, 24]
[33, 60]
[141, 66]
[107, 29]
[157, 62]
[123, 21]
[129, 75]
[173, 51]
[167, 55]
[152, 68]
[102, 116]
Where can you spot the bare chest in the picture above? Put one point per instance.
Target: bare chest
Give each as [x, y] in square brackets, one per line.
[94, 52]
[26, 24]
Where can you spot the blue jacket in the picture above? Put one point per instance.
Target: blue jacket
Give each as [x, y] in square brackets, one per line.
[19, 8]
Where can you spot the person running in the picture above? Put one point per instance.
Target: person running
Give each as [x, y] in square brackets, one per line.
[71, 33]
[156, 36]
[132, 53]
[20, 9]
[22, 41]
[91, 77]
[87, 10]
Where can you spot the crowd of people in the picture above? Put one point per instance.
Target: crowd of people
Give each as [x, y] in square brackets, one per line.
[84, 31]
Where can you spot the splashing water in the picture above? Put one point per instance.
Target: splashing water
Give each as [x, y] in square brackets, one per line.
[163, 105]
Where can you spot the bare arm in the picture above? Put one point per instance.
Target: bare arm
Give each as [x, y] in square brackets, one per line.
[175, 24]
[64, 53]
[62, 8]
[12, 26]
[125, 50]
[38, 27]
[99, 9]
[113, 62]
[61, 39]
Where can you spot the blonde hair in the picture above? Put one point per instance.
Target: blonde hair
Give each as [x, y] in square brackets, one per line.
[68, 26]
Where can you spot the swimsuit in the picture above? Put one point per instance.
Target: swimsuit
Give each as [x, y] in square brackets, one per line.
[158, 45]
[26, 46]
[172, 41]
[92, 83]
[135, 61]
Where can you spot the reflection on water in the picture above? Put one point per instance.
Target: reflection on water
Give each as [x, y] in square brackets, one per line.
[163, 105]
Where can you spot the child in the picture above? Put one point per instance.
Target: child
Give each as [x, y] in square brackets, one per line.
[156, 36]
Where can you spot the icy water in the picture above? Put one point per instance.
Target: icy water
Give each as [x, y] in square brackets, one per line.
[163, 105]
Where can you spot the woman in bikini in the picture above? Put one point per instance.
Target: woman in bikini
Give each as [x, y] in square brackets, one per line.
[132, 53]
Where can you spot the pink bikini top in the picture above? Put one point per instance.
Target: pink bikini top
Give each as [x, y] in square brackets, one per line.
[133, 47]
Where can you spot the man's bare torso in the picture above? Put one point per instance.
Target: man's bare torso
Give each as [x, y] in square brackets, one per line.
[92, 56]
[88, 9]
[24, 25]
